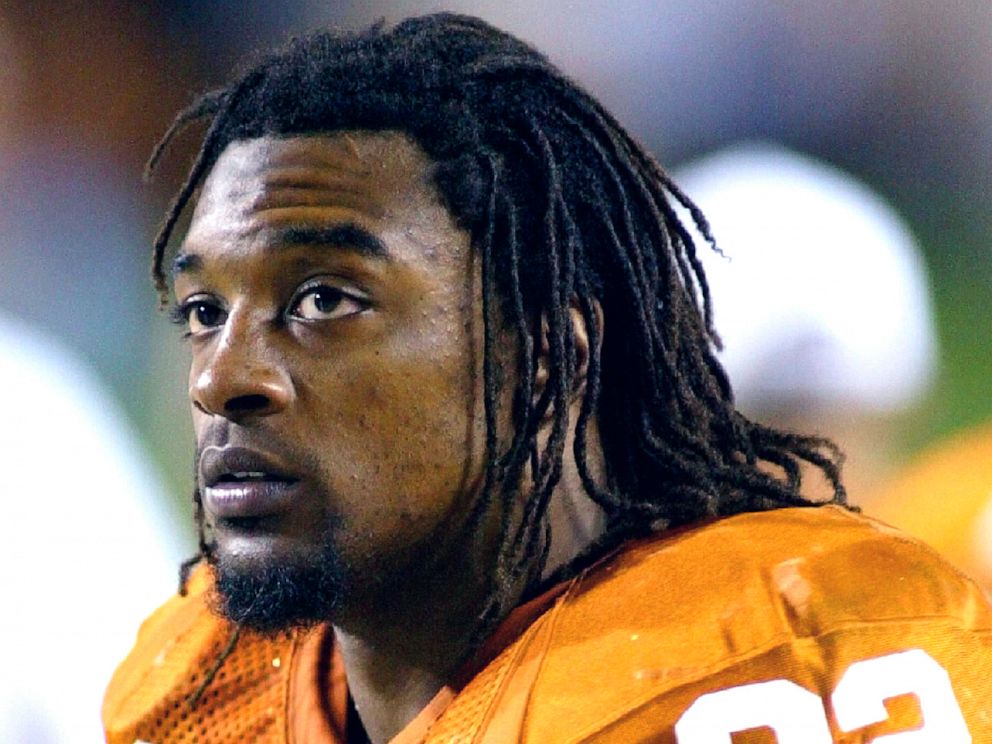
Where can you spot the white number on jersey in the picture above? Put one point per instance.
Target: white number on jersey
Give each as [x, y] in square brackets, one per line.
[793, 713]
[797, 716]
[857, 700]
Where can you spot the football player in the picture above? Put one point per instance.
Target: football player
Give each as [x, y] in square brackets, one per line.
[468, 468]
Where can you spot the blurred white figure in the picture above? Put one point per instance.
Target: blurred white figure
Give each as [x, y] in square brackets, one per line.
[823, 304]
[84, 542]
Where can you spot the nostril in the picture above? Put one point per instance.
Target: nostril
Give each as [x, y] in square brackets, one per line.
[247, 403]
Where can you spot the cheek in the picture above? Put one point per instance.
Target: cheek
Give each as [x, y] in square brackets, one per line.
[402, 433]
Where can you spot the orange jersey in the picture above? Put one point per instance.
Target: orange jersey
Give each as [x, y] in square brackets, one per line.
[811, 626]
[944, 498]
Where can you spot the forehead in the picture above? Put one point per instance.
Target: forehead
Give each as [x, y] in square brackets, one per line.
[378, 182]
[344, 159]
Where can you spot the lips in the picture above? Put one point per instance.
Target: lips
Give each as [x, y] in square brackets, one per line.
[240, 483]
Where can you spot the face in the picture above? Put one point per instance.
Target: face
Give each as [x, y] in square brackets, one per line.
[334, 315]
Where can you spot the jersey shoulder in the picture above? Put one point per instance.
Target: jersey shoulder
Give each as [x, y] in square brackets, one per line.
[155, 694]
[775, 605]
[944, 497]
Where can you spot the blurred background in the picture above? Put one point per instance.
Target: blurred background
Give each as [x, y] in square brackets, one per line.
[892, 97]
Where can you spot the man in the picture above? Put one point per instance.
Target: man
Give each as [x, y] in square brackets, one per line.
[468, 469]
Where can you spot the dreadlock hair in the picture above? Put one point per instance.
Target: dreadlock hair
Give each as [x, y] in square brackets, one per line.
[568, 213]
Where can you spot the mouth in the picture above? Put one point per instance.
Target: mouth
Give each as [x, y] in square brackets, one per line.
[243, 486]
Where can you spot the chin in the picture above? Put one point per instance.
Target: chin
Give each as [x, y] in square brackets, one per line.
[273, 595]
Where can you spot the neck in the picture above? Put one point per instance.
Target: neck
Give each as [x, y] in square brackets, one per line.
[407, 641]
[388, 686]
[398, 652]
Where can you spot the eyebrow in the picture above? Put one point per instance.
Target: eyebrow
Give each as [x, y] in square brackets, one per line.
[347, 236]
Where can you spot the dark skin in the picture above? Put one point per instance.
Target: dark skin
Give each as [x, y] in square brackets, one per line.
[335, 319]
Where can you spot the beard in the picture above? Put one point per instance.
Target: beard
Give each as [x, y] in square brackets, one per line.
[272, 597]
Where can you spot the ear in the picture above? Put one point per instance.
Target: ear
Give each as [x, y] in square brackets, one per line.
[581, 334]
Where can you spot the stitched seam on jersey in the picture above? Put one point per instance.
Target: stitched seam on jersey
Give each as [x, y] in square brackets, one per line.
[556, 615]
[479, 724]
[629, 708]
[551, 616]
[511, 665]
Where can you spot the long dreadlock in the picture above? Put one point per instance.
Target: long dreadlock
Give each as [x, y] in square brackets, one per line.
[567, 212]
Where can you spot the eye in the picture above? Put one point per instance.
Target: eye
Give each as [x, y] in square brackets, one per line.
[199, 315]
[324, 302]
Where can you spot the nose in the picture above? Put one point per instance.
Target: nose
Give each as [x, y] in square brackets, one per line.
[242, 377]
